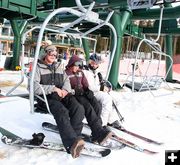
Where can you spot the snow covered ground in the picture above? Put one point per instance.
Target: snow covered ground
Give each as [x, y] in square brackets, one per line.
[155, 117]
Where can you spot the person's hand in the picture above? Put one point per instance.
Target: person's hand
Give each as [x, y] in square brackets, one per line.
[105, 86]
[64, 93]
[59, 92]
[106, 89]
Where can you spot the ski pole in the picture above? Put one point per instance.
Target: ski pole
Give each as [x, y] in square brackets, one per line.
[121, 118]
[119, 114]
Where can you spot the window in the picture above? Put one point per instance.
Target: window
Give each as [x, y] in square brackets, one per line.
[5, 31]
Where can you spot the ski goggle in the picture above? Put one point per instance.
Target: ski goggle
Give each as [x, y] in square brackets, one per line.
[55, 55]
[78, 63]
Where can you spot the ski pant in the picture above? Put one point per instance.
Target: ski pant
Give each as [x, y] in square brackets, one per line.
[68, 115]
[93, 120]
[96, 106]
[108, 114]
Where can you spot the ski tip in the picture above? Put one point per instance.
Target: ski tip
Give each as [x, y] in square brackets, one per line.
[150, 152]
[159, 143]
[105, 152]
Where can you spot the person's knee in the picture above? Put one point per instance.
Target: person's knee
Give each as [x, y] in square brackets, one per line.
[61, 112]
[58, 109]
[77, 107]
[80, 109]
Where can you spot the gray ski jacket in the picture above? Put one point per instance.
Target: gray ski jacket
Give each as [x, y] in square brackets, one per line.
[50, 77]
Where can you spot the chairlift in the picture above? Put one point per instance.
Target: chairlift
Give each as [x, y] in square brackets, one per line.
[24, 37]
[83, 14]
[150, 82]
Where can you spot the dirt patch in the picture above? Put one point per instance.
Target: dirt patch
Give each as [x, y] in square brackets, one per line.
[177, 103]
[9, 83]
[2, 155]
[6, 83]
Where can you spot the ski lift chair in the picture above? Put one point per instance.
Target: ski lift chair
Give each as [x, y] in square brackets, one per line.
[150, 82]
[83, 14]
[39, 108]
[155, 81]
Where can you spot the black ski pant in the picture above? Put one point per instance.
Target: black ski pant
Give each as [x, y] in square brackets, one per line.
[93, 120]
[97, 106]
[68, 114]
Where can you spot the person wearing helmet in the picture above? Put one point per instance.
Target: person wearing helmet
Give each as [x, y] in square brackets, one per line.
[101, 89]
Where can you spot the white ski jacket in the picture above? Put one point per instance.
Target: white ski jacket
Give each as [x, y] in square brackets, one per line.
[108, 114]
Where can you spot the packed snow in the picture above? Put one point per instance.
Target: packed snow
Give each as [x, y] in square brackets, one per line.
[156, 116]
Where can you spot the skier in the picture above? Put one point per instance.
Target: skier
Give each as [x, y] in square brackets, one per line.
[101, 91]
[66, 110]
[84, 95]
[80, 85]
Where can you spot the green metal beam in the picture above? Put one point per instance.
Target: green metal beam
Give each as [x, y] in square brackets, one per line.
[86, 48]
[72, 3]
[168, 27]
[20, 9]
[169, 51]
[168, 31]
[168, 13]
[169, 48]
[117, 3]
[18, 29]
[119, 22]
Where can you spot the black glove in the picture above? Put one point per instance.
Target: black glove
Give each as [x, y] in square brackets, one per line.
[100, 77]
[106, 84]
[102, 84]
[89, 94]
[79, 91]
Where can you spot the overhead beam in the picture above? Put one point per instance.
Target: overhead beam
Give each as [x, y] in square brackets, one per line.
[173, 31]
[168, 13]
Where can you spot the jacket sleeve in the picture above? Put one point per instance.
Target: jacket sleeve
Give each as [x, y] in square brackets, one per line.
[37, 86]
[93, 81]
[84, 81]
[66, 86]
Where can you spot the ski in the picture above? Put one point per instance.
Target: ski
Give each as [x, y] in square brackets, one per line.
[133, 134]
[50, 127]
[38, 142]
[129, 144]
[111, 144]
[133, 145]
[137, 135]
[53, 128]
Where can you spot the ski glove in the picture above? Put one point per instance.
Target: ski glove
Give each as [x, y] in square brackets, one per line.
[105, 86]
[89, 94]
[79, 91]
